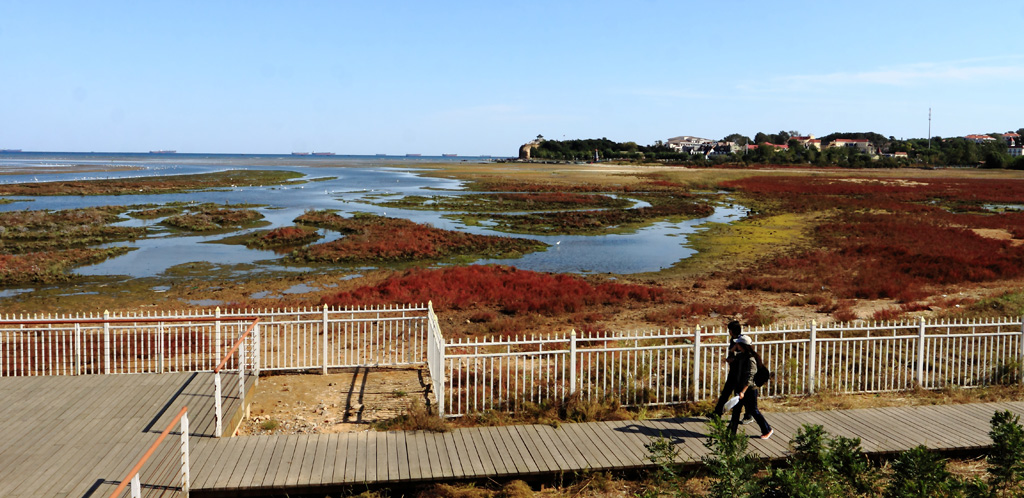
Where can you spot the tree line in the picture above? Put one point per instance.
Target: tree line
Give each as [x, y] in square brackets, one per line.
[937, 151]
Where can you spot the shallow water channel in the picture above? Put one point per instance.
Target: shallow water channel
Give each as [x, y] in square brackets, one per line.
[347, 189]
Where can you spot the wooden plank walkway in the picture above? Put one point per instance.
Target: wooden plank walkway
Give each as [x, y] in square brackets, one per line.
[78, 436]
[63, 437]
[321, 461]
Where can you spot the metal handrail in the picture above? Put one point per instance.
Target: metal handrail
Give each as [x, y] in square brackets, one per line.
[239, 343]
[134, 473]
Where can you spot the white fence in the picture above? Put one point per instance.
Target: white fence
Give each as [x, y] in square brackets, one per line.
[632, 369]
[671, 367]
[297, 339]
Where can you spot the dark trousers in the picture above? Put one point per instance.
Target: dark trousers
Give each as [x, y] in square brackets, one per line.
[724, 396]
[749, 402]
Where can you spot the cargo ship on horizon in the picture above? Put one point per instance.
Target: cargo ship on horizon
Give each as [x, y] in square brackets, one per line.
[323, 153]
[163, 152]
[449, 155]
[300, 153]
[413, 155]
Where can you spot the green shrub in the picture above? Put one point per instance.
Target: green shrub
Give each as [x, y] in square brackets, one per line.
[729, 466]
[920, 473]
[822, 466]
[1006, 460]
[668, 476]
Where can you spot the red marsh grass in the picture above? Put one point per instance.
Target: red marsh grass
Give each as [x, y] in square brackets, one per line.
[888, 239]
[282, 237]
[370, 238]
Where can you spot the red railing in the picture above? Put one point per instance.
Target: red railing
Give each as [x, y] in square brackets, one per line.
[133, 475]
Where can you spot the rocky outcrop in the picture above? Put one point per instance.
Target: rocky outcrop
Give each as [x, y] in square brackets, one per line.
[524, 150]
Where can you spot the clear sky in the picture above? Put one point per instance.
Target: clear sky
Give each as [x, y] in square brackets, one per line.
[483, 77]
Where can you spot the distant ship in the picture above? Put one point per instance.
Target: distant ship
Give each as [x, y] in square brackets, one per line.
[413, 155]
[10, 150]
[163, 152]
[300, 153]
[449, 155]
[323, 153]
[381, 155]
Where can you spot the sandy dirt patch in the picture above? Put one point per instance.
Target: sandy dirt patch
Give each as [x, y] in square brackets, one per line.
[341, 401]
[997, 233]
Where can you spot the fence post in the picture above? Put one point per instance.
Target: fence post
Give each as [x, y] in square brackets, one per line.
[323, 328]
[696, 363]
[241, 373]
[920, 352]
[1020, 352]
[812, 358]
[572, 362]
[106, 342]
[217, 402]
[216, 334]
[256, 355]
[186, 476]
[78, 349]
[160, 347]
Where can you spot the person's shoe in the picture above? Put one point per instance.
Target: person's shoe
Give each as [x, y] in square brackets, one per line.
[769, 434]
[746, 420]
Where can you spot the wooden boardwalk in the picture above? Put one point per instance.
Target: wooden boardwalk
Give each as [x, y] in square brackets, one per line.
[63, 437]
[78, 436]
[315, 461]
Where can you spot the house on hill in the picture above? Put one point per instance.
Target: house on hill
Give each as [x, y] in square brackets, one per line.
[980, 139]
[687, 143]
[809, 141]
[861, 144]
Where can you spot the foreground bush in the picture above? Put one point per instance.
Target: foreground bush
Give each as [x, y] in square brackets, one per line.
[825, 466]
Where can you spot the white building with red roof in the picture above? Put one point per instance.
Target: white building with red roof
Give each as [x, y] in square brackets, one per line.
[861, 144]
[808, 141]
[979, 139]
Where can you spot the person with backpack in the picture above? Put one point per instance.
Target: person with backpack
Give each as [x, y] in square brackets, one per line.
[748, 362]
[729, 386]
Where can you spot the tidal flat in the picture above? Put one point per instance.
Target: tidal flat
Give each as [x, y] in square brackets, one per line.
[779, 244]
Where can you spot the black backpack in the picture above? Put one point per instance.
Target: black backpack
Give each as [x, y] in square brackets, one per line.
[762, 375]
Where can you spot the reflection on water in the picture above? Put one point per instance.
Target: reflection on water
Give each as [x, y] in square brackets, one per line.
[347, 190]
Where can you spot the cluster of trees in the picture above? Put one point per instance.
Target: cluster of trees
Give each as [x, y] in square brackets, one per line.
[937, 151]
[604, 149]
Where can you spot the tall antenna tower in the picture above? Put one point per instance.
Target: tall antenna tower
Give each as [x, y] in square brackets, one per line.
[929, 128]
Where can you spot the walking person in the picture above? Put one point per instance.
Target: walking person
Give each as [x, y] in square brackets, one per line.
[729, 386]
[747, 362]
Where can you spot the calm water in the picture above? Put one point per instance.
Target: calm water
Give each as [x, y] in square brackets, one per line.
[349, 183]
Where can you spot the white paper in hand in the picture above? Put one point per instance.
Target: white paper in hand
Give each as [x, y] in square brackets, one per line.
[733, 401]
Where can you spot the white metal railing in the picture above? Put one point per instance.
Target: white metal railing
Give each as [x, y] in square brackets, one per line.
[189, 341]
[435, 358]
[675, 366]
[252, 338]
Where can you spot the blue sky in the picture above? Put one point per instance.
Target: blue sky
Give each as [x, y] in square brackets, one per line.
[484, 77]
